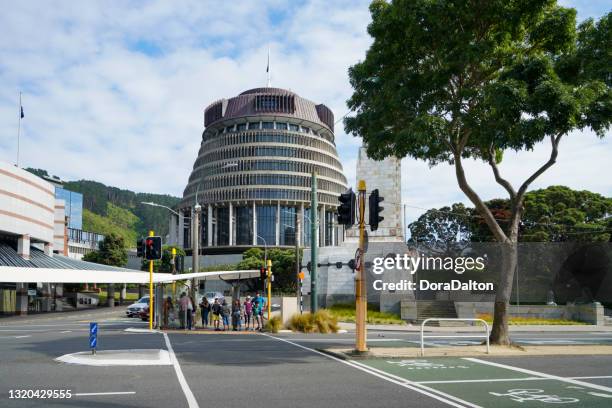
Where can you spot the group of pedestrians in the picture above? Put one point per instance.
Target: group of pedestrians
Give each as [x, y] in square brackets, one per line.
[247, 316]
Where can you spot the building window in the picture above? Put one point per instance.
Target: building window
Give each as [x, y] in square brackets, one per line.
[329, 227]
[253, 125]
[294, 128]
[241, 126]
[267, 125]
[223, 226]
[281, 126]
[306, 232]
[266, 224]
[244, 225]
[287, 225]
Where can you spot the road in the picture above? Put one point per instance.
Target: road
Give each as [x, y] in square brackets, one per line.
[254, 370]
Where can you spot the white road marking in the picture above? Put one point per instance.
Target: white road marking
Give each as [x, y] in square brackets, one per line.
[539, 374]
[85, 394]
[387, 377]
[23, 337]
[191, 401]
[66, 331]
[509, 379]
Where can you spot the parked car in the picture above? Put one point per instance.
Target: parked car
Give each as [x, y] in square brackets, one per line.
[211, 296]
[144, 314]
[134, 309]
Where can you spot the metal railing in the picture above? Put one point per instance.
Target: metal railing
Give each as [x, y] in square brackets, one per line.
[486, 327]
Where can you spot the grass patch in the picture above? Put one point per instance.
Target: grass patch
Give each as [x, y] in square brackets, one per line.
[517, 320]
[345, 312]
[321, 322]
[129, 297]
[274, 324]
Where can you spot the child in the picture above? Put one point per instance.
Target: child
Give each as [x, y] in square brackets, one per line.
[236, 321]
[248, 313]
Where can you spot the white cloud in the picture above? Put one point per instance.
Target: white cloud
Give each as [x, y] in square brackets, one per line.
[115, 91]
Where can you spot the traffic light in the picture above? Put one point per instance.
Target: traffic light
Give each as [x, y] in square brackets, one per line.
[263, 272]
[140, 248]
[375, 209]
[153, 248]
[346, 210]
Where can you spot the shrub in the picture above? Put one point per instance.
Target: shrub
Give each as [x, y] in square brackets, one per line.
[320, 322]
[274, 324]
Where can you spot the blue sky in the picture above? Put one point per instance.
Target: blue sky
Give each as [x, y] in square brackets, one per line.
[114, 91]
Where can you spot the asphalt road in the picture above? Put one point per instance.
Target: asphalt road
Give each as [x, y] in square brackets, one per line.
[284, 370]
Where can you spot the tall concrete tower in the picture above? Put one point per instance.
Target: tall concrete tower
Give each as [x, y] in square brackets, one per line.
[386, 176]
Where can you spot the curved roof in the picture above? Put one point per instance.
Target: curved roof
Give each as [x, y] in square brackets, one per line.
[269, 102]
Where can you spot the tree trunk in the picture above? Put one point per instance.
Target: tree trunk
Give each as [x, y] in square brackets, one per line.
[509, 258]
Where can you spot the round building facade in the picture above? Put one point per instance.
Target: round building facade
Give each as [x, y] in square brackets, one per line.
[253, 174]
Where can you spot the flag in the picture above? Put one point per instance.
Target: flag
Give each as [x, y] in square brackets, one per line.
[21, 112]
[268, 67]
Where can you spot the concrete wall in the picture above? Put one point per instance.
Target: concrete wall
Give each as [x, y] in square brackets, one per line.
[592, 313]
[27, 204]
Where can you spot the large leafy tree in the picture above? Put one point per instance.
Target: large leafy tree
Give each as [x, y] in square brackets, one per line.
[111, 251]
[283, 266]
[450, 80]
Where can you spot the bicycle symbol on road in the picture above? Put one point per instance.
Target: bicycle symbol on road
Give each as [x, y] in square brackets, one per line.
[421, 364]
[522, 395]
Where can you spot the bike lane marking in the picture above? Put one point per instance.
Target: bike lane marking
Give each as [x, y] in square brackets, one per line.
[540, 374]
[448, 399]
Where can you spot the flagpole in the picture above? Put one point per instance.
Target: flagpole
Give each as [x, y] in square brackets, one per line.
[269, 83]
[19, 129]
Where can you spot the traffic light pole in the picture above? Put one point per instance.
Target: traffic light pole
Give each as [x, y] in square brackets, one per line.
[313, 244]
[151, 233]
[361, 300]
[269, 288]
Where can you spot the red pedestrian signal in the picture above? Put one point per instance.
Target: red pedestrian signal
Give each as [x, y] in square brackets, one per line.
[153, 248]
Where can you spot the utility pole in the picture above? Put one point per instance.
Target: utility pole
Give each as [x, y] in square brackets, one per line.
[195, 255]
[269, 288]
[298, 291]
[361, 301]
[313, 244]
[151, 233]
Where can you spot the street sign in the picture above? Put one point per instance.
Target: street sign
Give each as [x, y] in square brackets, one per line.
[93, 336]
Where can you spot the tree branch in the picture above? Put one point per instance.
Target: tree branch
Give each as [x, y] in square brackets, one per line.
[497, 231]
[500, 180]
[517, 205]
[554, 140]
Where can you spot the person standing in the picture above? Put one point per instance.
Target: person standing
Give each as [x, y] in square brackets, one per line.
[216, 313]
[182, 311]
[248, 313]
[225, 314]
[259, 315]
[186, 311]
[236, 315]
[205, 310]
[168, 307]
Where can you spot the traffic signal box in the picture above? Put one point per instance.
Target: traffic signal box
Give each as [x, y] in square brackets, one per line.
[153, 248]
[346, 210]
[140, 244]
[375, 209]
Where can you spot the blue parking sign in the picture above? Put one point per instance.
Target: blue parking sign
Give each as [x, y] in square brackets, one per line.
[93, 335]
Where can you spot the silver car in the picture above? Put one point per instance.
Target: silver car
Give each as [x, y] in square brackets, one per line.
[134, 309]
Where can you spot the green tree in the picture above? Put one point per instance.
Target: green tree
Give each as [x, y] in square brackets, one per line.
[445, 81]
[442, 230]
[283, 266]
[111, 251]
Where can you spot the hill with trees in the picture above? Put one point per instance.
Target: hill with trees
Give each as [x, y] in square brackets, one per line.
[108, 209]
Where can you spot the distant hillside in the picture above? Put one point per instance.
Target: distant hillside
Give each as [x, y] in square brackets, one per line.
[111, 209]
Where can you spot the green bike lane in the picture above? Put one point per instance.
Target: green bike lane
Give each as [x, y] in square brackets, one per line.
[474, 382]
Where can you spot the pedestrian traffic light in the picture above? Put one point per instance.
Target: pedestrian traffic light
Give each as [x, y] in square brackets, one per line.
[153, 248]
[262, 272]
[140, 248]
[375, 209]
[346, 210]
